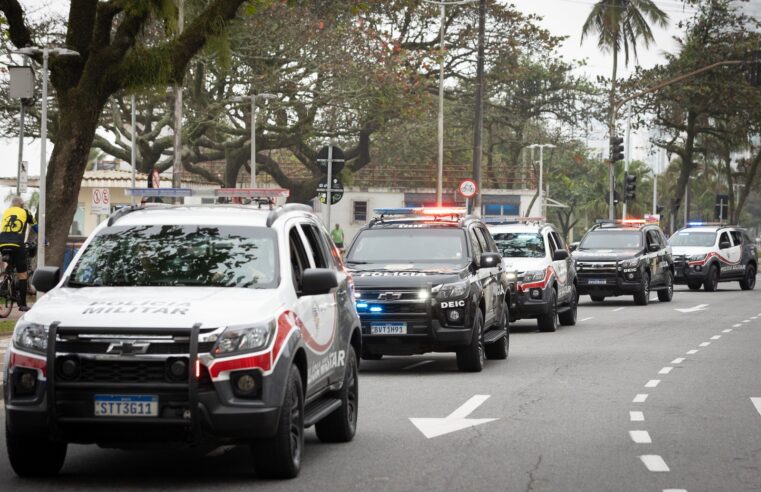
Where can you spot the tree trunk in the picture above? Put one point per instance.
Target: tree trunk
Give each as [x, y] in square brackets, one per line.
[78, 120]
[687, 166]
[750, 178]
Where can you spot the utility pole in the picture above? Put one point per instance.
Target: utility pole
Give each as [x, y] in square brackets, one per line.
[542, 197]
[628, 152]
[479, 109]
[177, 165]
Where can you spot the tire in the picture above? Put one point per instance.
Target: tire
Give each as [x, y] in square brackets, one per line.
[341, 425]
[549, 322]
[642, 298]
[499, 349]
[597, 298]
[6, 295]
[749, 281]
[280, 456]
[694, 286]
[34, 457]
[568, 318]
[712, 280]
[665, 295]
[471, 358]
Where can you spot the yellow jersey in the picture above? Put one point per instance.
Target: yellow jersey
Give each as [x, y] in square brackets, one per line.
[13, 226]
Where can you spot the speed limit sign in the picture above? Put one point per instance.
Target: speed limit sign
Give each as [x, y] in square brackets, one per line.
[468, 188]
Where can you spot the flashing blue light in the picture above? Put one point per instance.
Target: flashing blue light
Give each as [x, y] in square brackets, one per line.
[361, 305]
[376, 309]
[397, 211]
[695, 223]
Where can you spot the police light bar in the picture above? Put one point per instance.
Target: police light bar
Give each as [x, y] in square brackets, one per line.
[421, 211]
[443, 211]
[253, 192]
[159, 192]
[701, 223]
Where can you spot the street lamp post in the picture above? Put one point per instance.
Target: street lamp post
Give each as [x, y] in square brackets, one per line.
[45, 52]
[253, 98]
[442, 10]
[542, 197]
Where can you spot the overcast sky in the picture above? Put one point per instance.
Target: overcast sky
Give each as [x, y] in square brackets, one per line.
[560, 17]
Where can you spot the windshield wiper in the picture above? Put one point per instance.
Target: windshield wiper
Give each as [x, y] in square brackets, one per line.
[72, 283]
[357, 262]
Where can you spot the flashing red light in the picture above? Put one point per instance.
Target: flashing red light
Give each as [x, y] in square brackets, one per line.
[442, 211]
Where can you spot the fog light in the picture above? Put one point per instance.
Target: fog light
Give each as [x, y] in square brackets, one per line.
[178, 369]
[536, 293]
[454, 315]
[24, 381]
[630, 276]
[27, 381]
[246, 384]
[70, 369]
[698, 268]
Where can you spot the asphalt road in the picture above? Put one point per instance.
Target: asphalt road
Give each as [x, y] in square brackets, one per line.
[631, 398]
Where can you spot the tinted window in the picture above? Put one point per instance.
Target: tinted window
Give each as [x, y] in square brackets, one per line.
[693, 238]
[558, 240]
[408, 245]
[475, 243]
[299, 257]
[520, 244]
[601, 239]
[737, 237]
[167, 255]
[316, 244]
[485, 246]
[724, 237]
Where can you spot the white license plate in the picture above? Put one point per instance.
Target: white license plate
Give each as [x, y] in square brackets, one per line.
[126, 406]
[597, 281]
[388, 328]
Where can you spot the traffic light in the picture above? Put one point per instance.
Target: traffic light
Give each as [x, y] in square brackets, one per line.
[616, 149]
[754, 71]
[630, 187]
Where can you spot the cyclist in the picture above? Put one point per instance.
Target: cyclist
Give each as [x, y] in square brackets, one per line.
[13, 228]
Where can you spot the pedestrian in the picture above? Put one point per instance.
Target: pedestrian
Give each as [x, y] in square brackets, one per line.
[337, 235]
[13, 228]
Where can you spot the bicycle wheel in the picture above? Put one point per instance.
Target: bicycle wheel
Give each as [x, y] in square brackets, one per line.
[6, 295]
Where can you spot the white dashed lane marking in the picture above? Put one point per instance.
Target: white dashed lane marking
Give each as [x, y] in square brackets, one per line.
[637, 416]
[640, 437]
[618, 309]
[586, 319]
[417, 364]
[654, 463]
[728, 330]
[738, 325]
[704, 344]
[640, 398]
[746, 321]
[715, 337]
[674, 490]
[652, 383]
[757, 403]
[665, 370]
[678, 360]
[692, 352]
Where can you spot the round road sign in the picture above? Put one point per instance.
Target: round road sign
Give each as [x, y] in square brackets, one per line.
[337, 157]
[468, 188]
[336, 191]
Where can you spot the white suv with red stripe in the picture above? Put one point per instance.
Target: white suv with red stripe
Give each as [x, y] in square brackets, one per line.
[544, 272]
[705, 255]
[190, 325]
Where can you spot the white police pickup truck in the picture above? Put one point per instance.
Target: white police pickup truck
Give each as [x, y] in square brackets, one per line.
[189, 325]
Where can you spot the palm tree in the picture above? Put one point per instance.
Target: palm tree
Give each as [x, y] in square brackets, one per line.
[620, 24]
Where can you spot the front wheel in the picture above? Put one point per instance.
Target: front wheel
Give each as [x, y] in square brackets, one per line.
[34, 457]
[596, 298]
[6, 295]
[694, 286]
[666, 294]
[549, 322]
[471, 358]
[280, 456]
[749, 281]
[341, 425]
[712, 280]
[642, 298]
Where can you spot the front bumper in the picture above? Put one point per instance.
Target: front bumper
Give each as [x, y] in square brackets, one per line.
[530, 303]
[191, 411]
[608, 285]
[685, 273]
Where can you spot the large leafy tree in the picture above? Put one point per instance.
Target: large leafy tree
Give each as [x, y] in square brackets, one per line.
[115, 54]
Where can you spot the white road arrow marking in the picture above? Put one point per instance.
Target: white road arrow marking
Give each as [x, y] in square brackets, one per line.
[457, 420]
[756, 403]
[693, 309]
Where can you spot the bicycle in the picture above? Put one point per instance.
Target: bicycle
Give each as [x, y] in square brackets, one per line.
[8, 287]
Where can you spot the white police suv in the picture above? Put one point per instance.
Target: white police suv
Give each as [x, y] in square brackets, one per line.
[706, 254]
[189, 325]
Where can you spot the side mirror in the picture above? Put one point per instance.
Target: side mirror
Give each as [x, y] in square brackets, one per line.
[318, 281]
[573, 246]
[489, 260]
[560, 255]
[46, 278]
[653, 248]
[724, 245]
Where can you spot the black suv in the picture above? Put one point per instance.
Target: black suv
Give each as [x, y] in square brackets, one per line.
[430, 280]
[629, 257]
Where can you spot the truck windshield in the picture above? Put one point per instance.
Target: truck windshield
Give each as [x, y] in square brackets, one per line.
[520, 244]
[408, 245]
[210, 256]
[612, 240]
[686, 238]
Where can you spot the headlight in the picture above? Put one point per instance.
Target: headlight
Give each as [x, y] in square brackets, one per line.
[511, 276]
[31, 337]
[630, 263]
[451, 291]
[533, 276]
[237, 339]
[696, 257]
